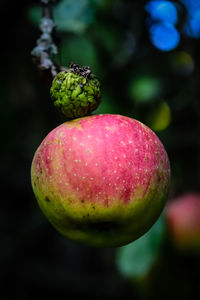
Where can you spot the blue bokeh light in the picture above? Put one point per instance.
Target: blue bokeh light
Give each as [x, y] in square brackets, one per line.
[163, 17]
[162, 11]
[164, 36]
[192, 25]
[191, 5]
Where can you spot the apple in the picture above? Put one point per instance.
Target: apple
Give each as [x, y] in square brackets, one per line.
[101, 180]
[183, 221]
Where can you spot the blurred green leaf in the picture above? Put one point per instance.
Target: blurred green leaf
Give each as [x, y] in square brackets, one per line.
[137, 258]
[74, 16]
[160, 118]
[107, 106]
[35, 14]
[109, 36]
[119, 44]
[80, 50]
[145, 89]
[69, 15]
[182, 63]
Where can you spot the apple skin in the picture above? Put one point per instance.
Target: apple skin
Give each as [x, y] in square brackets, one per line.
[101, 180]
[183, 221]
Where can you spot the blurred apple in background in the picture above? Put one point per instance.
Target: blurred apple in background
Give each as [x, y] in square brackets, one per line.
[183, 221]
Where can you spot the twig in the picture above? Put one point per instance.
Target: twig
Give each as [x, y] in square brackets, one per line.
[45, 48]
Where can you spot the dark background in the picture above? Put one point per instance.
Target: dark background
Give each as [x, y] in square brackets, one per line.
[113, 38]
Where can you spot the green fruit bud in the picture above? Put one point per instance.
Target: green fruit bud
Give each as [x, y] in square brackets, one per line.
[76, 92]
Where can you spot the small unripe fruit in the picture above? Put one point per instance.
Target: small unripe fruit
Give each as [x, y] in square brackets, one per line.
[76, 92]
[183, 220]
[101, 180]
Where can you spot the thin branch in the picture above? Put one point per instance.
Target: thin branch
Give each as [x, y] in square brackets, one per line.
[45, 47]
